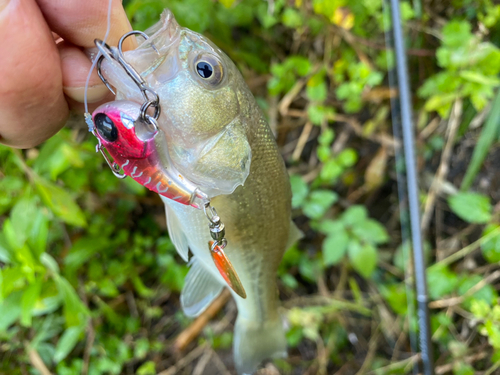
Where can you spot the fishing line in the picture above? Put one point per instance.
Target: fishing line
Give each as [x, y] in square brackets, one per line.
[94, 63]
[408, 187]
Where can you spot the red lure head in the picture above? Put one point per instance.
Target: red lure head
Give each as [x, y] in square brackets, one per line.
[121, 131]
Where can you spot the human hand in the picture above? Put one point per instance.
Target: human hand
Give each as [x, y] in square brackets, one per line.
[43, 78]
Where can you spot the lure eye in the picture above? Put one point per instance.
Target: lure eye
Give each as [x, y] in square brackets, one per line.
[209, 69]
[106, 127]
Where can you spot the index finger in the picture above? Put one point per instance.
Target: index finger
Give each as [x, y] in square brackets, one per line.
[80, 22]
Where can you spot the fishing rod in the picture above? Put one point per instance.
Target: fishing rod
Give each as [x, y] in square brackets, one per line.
[403, 120]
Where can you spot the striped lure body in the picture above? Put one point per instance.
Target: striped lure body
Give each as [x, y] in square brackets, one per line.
[140, 150]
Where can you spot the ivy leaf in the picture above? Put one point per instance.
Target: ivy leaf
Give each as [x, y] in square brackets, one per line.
[363, 258]
[471, 207]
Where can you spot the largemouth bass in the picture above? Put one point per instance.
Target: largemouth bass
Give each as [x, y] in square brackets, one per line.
[216, 139]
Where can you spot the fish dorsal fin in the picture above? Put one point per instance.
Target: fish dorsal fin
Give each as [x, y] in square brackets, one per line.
[176, 233]
[294, 235]
[200, 289]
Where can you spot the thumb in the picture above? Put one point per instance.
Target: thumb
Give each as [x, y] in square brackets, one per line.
[32, 103]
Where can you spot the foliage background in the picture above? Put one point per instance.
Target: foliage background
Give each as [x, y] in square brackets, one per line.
[89, 281]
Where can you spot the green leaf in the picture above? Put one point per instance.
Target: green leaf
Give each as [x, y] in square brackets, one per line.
[83, 249]
[471, 207]
[354, 215]
[5, 254]
[316, 92]
[60, 202]
[334, 247]
[323, 153]
[456, 33]
[477, 77]
[75, 311]
[141, 348]
[488, 135]
[292, 18]
[325, 7]
[294, 336]
[363, 258]
[20, 251]
[348, 157]
[480, 309]
[318, 202]
[10, 310]
[395, 295]
[461, 368]
[487, 293]
[10, 235]
[289, 281]
[441, 281]
[147, 368]
[67, 342]
[326, 137]
[407, 12]
[329, 226]
[491, 247]
[28, 301]
[21, 218]
[299, 190]
[317, 113]
[309, 268]
[300, 64]
[331, 170]
[38, 233]
[370, 231]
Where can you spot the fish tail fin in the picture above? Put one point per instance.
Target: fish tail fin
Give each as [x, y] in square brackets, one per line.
[256, 341]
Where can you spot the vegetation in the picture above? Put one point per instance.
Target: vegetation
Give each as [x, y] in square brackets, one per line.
[90, 282]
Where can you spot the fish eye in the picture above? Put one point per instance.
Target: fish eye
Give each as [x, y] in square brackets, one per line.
[209, 69]
[204, 69]
[106, 127]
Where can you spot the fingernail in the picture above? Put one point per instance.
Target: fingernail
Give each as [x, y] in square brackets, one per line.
[94, 93]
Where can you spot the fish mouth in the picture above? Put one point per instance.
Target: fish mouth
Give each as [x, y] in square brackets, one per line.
[163, 36]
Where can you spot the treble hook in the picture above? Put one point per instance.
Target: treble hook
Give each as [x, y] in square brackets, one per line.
[117, 55]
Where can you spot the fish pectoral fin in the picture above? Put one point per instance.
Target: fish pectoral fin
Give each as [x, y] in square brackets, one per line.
[294, 235]
[175, 232]
[200, 289]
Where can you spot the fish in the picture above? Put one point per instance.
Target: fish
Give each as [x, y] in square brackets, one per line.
[214, 139]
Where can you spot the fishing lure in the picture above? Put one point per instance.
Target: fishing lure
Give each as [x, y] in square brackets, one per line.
[129, 133]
